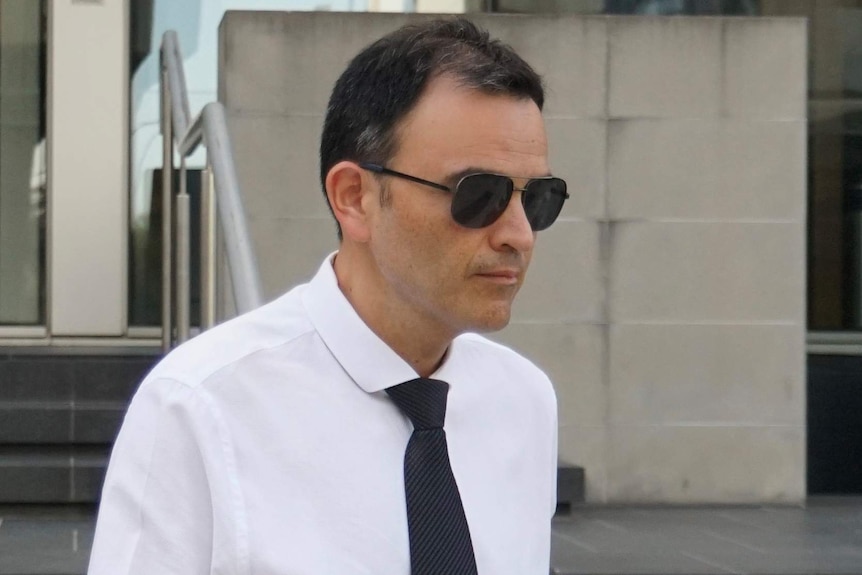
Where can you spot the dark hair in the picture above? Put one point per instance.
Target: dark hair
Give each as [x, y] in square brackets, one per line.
[385, 81]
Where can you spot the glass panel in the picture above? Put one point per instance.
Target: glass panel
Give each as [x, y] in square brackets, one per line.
[835, 168]
[651, 7]
[196, 24]
[22, 162]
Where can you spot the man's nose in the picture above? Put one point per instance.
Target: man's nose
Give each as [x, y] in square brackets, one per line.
[512, 230]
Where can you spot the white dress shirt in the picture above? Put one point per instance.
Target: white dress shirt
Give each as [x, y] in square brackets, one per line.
[268, 446]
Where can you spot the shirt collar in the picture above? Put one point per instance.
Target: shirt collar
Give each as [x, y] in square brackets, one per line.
[371, 363]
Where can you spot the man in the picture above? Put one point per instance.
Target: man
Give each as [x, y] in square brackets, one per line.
[305, 437]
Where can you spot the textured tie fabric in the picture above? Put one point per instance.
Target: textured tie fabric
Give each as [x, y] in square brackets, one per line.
[440, 541]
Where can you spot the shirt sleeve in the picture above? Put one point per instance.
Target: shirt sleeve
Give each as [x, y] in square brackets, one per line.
[156, 513]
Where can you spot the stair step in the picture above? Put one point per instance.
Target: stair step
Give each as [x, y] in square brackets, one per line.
[56, 422]
[52, 474]
[74, 378]
[59, 415]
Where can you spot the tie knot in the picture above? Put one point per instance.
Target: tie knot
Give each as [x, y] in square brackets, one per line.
[423, 400]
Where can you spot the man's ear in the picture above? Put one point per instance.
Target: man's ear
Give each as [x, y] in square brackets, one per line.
[346, 184]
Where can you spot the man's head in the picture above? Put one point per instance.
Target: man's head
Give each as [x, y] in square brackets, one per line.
[411, 122]
[385, 81]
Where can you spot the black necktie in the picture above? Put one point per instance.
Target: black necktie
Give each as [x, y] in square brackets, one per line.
[439, 536]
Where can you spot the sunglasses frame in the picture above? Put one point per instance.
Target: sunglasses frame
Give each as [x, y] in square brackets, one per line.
[378, 169]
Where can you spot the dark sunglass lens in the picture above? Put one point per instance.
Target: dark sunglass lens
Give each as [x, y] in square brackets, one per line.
[480, 199]
[543, 202]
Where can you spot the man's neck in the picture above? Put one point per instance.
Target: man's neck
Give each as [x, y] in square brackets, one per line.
[417, 339]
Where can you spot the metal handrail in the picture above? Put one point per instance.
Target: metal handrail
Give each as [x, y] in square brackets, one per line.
[219, 189]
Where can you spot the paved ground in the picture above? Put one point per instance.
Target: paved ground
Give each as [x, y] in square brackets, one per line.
[45, 540]
[823, 538]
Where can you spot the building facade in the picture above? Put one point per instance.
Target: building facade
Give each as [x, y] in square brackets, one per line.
[80, 270]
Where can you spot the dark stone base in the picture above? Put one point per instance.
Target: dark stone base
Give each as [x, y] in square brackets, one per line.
[59, 415]
[571, 489]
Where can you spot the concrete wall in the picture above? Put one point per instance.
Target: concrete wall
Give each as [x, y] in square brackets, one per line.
[668, 302]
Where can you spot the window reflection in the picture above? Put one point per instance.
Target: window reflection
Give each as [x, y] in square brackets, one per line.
[22, 162]
[643, 7]
[678, 7]
[196, 24]
[835, 169]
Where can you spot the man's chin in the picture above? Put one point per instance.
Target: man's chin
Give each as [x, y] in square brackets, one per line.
[492, 321]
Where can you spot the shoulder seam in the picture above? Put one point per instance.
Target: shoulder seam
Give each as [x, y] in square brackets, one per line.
[193, 381]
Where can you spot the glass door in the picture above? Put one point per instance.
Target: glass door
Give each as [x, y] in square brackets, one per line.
[22, 162]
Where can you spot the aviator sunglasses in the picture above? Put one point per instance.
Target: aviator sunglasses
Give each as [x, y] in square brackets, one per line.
[478, 200]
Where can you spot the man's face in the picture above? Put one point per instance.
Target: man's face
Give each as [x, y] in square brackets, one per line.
[448, 277]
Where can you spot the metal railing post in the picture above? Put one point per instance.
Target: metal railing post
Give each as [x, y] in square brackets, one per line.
[208, 251]
[238, 247]
[221, 205]
[167, 203]
[183, 273]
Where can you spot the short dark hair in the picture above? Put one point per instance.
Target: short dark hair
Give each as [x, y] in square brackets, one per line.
[385, 81]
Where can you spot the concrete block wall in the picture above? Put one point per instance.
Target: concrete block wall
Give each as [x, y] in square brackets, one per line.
[668, 302]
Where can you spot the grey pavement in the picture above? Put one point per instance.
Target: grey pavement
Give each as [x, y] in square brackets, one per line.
[824, 537]
[45, 540]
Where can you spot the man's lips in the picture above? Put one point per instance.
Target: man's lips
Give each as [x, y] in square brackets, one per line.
[501, 276]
